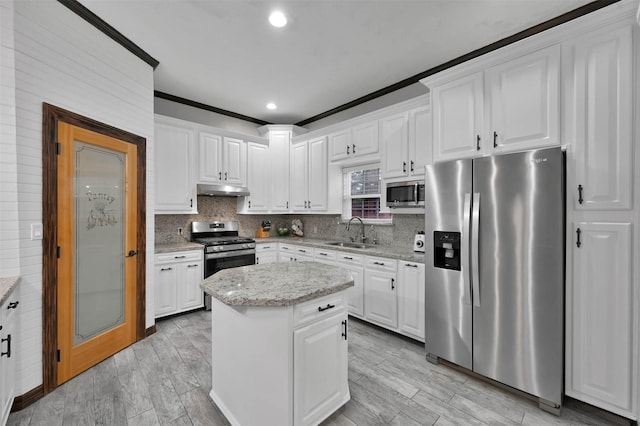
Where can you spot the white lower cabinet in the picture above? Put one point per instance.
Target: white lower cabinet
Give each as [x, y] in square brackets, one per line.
[319, 369]
[8, 355]
[294, 253]
[177, 282]
[380, 291]
[266, 253]
[600, 302]
[355, 294]
[411, 299]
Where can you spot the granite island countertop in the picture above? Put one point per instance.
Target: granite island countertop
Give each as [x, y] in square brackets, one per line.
[182, 246]
[276, 284]
[7, 284]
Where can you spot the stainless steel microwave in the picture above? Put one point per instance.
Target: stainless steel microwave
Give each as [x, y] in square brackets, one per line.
[405, 194]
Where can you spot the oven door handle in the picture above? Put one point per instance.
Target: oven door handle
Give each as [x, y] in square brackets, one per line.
[225, 254]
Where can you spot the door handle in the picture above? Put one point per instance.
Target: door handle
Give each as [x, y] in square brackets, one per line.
[464, 250]
[132, 253]
[475, 247]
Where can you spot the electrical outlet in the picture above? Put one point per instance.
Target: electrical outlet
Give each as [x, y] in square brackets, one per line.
[180, 231]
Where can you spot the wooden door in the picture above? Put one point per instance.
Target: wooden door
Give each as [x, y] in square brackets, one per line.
[97, 239]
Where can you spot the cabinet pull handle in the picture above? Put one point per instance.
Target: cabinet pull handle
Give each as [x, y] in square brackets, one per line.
[302, 250]
[347, 257]
[191, 203]
[257, 260]
[166, 269]
[411, 165]
[192, 266]
[179, 257]
[344, 324]
[329, 306]
[323, 254]
[477, 142]
[410, 264]
[305, 204]
[266, 247]
[13, 305]
[354, 148]
[348, 147]
[580, 199]
[404, 167]
[393, 282]
[284, 248]
[379, 263]
[578, 232]
[287, 204]
[495, 139]
[249, 203]
[219, 175]
[309, 203]
[225, 175]
[8, 352]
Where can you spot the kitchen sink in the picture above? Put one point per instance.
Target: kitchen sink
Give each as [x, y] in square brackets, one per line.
[350, 245]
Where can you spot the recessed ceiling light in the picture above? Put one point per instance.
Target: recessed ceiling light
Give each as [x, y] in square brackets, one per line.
[277, 19]
[271, 105]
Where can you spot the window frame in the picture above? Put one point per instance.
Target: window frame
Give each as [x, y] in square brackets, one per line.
[347, 197]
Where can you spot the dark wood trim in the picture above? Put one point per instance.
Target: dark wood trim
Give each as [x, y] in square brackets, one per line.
[569, 16]
[151, 330]
[51, 115]
[25, 400]
[206, 107]
[93, 19]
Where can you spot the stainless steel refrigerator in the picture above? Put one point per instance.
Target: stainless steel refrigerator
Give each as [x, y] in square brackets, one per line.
[495, 268]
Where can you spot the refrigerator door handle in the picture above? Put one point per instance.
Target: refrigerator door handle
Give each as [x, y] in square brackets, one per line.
[475, 247]
[464, 252]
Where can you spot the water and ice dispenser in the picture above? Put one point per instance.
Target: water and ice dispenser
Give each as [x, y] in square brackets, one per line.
[446, 250]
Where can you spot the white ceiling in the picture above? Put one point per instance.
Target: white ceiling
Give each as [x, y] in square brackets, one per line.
[224, 53]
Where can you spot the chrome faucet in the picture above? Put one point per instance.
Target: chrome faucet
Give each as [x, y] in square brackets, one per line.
[361, 223]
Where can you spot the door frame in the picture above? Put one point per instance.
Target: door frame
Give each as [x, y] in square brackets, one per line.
[51, 115]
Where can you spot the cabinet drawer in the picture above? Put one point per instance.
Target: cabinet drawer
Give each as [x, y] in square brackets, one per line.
[320, 308]
[288, 247]
[321, 255]
[179, 256]
[349, 258]
[266, 247]
[380, 264]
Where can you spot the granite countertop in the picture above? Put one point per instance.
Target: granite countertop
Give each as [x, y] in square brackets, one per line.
[373, 250]
[276, 284]
[7, 284]
[171, 247]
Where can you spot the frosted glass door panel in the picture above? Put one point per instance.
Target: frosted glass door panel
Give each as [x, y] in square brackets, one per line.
[99, 231]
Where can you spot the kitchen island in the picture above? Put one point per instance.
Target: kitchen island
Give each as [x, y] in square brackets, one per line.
[279, 342]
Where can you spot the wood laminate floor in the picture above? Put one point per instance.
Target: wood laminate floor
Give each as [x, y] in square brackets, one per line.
[166, 378]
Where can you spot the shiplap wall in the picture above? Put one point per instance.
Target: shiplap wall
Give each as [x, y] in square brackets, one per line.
[62, 60]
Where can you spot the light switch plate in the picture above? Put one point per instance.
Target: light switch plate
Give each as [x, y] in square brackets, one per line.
[36, 231]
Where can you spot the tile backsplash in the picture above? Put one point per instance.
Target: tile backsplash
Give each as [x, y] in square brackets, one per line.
[399, 234]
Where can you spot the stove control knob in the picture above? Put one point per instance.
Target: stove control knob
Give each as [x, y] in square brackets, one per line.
[245, 246]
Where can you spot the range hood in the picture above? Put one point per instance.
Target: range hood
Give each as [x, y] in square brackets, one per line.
[222, 190]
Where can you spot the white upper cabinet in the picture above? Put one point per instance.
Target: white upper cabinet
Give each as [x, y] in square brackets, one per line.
[258, 167]
[175, 189]
[602, 120]
[355, 142]
[406, 143]
[524, 102]
[309, 176]
[279, 142]
[458, 118]
[508, 107]
[222, 159]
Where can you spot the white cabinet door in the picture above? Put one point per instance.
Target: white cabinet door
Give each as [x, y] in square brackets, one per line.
[233, 164]
[190, 295]
[8, 347]
[317, 175]
[340, 144]
[165, 294]
[525, 102]
[279, 142]
[266, 257]
[420, 134]
[601, 322]
[299, 176]
[257, 177]
[380, 298]
[395, 145]
[210, 163]
[364, 139]
[319, 369]
[602, 105]
[458, 118]
[411, 282]
[175, 190]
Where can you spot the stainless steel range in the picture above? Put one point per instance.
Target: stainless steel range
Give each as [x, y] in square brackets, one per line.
[223, 248]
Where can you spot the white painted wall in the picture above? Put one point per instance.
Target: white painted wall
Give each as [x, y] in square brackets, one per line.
[62, 60]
